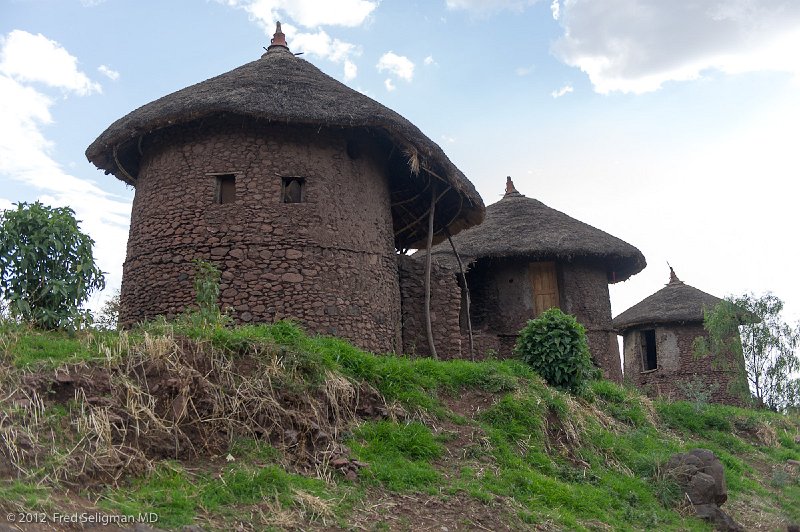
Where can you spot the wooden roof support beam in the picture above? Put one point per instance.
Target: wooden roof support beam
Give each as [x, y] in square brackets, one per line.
[415, 222]
[466, 294]
[428, 264]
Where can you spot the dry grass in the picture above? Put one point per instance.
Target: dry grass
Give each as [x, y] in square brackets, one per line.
[164, 397]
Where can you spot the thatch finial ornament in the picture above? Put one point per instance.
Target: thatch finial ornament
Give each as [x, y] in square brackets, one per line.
[279, 39]
[510, 186]
[672, 277]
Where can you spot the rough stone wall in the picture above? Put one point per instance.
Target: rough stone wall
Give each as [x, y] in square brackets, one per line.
[502, 298]
[486, 345]
[328, 263]
[502, 303]
[677, 366]
[445, 308]
[584, 294]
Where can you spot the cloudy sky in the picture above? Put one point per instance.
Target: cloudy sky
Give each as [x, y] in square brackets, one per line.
[670, 124]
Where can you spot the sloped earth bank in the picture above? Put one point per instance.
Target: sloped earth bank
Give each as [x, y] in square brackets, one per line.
[260, 430]
[174, 399]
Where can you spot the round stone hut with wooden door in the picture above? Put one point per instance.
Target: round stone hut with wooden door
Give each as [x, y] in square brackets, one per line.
[298, 188]
[527, 257]
[659, 335]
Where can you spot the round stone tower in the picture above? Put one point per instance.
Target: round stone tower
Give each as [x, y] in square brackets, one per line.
[296, 187]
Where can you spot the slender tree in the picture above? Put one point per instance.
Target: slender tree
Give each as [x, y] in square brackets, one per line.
[766, 343]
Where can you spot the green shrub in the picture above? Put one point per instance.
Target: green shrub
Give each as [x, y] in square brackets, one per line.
[555, 346]
[47, 266]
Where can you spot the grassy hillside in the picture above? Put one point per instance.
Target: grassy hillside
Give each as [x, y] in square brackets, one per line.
[264, 427]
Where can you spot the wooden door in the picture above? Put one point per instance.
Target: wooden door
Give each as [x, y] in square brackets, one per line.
[545, 286]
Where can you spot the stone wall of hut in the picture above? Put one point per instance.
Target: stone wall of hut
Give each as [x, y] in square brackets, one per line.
[584, 294]
[502, 303]
[328, 262]
[445, 307]
[502, 298]
[678, 368]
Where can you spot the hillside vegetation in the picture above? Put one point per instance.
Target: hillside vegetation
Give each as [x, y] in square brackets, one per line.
[263, 427]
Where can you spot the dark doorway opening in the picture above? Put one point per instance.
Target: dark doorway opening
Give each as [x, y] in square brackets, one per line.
[649, 357]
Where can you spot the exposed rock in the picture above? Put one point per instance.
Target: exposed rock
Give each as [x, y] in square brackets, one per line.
[701, 474]
[702, 477]
[722, 521]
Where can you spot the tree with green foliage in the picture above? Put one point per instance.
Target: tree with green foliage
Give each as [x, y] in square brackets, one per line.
[108, 317]
[47, 267]
[752, 328]
[555, 346]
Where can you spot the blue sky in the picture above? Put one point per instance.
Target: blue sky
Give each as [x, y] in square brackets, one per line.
[672, 125]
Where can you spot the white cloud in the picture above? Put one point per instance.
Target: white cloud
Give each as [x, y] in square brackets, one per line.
[448, 139]
[637, 45]
[350, 70]
[113, 75]
[34, 58]
[398, 65]
[566, 89]
[311, 14]
[524, 70]
[307, 13]
[389, 84]
[5, 204]
[429, 61]
[486, 6]
[92, 3]
[25, 151]
[322, 45]
[555, 8]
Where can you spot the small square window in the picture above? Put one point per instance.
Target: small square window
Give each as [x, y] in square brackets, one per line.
[293, 189]
[226, 188]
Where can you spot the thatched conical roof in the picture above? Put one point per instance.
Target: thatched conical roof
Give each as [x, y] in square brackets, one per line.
[677, 302]
[518, 226]
[280, 87]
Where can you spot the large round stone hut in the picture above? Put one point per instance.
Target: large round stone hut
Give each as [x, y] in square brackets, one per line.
[659, 335]
[297, 187]
[527, 257]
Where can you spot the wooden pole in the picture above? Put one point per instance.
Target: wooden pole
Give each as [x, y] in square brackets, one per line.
[428, 264]
[466, 293]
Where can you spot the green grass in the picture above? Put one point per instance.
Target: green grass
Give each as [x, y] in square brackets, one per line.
[178, 496]
[18, 494]
[619, 403]
[620, 487]
[411, 381]
[399, 455]
[560, 463]
[48, 348]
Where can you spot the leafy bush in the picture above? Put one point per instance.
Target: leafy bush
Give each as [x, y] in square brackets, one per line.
[47, 268]
[555, 346]
[698, 391]
[206, 287]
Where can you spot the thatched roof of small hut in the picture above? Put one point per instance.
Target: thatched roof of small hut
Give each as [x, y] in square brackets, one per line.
[677, 303]
[518, 226]
[282, 88]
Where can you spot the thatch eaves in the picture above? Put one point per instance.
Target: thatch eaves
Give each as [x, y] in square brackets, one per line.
[518, 226]
[282, 88]
[676, 303]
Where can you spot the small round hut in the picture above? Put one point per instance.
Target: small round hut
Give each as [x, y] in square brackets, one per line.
[659, 335]
[298, 188]
[525, 258]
